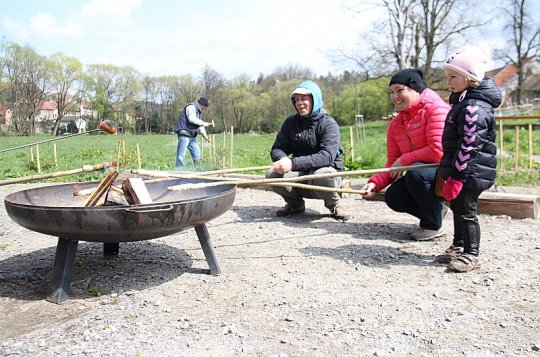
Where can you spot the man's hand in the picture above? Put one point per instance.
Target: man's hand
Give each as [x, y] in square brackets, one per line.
[205, 124]
[368, 187]
[282, 166]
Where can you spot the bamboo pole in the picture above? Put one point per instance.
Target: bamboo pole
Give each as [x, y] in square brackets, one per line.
[501, 140]
[250, 183]
[55, 157]
[232, 145]
[352, 143]
[517, 149]
[240, 169]
[85, 168]
[38, 160]
[530, 147]
[226, 181]
[213, 145]
[138, 157]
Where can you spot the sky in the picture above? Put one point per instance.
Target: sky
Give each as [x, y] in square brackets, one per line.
[176, 37]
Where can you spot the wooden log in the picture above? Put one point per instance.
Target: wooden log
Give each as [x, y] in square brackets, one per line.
[97, 197]
[135, 191]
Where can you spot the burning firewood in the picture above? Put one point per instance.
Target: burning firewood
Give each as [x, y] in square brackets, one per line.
[98, 197]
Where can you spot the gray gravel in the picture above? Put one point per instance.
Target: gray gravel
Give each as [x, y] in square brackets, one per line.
[302, 286]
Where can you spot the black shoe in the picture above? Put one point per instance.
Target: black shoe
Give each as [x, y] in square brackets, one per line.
[289, 210]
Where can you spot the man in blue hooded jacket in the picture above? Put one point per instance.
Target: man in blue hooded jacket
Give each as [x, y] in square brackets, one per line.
[308, 143]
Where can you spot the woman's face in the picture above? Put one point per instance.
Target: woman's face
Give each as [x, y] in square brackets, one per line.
[303, 104]
[402, 96]
[456, 82]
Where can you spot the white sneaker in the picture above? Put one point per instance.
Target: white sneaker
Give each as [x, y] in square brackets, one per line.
[427, 234]
[444, 211]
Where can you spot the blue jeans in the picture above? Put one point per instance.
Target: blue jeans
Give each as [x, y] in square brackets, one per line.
[187, 143]
[414, 193]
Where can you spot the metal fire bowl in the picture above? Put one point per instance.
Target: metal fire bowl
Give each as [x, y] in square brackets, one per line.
[54, 210]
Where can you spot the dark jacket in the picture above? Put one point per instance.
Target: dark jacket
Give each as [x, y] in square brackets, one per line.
[184, 126]
[313, 141]
[469, 150]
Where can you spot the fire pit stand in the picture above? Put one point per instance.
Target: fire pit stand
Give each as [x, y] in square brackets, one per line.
[66, 249]
[52, 210]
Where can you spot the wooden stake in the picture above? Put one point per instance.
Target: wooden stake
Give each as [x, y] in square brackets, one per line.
[530, 147]
[232, 145]
[138, 157]
[55, 158]
[37, 160]
[501, 147]
[517, 149]
[31, 154]
[352, 143]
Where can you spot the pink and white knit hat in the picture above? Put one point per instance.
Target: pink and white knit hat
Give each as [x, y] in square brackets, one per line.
[469, 61]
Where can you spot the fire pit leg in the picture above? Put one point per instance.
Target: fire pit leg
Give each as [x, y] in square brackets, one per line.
[110, 249]
[62, 271]
[208, 249]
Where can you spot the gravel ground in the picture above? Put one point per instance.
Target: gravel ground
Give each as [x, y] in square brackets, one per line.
[302, 286]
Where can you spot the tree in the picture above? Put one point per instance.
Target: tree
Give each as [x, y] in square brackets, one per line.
[66, 74]
[524, 39]
[212, 81]
[413, 34]
[28, 78]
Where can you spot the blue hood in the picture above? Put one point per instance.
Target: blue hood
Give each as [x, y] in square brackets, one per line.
[316, 93]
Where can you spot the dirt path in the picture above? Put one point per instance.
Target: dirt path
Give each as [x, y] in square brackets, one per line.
[302, 286]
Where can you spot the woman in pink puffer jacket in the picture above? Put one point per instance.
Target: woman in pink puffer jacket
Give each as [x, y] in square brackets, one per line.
[413, 138]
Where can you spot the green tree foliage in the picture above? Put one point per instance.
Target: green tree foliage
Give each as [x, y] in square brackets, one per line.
[369, 98]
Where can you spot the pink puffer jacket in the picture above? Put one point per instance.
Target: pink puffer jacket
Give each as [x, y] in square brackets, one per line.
[415, 135]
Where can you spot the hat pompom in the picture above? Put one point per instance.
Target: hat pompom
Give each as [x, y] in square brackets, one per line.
[469, 61]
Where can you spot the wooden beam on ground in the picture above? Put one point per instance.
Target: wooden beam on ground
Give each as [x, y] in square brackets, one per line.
[515, 205]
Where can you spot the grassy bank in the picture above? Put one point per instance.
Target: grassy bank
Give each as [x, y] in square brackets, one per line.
[157, 152]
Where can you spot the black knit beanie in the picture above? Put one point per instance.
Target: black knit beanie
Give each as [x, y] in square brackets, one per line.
[203, 101]
[412, 78]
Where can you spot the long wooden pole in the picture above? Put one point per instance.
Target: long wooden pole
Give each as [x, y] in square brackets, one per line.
[530, 147]
[239, 169]
[85, 168]
[285, 179]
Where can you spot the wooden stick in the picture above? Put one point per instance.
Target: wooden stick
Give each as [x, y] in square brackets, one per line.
[138, 157]
[85, 168]
[38, 161]
[249, 183]
[273, 181]
[530, 147]
[55, 158]
[501, 147]
[240, 169]
[102, 189]
[517, 149]
[232, 145]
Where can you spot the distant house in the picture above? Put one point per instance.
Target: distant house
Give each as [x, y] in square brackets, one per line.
[5, 115]
[506, 78]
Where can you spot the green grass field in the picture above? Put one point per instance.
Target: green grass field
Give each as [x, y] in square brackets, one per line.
[157, 152]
